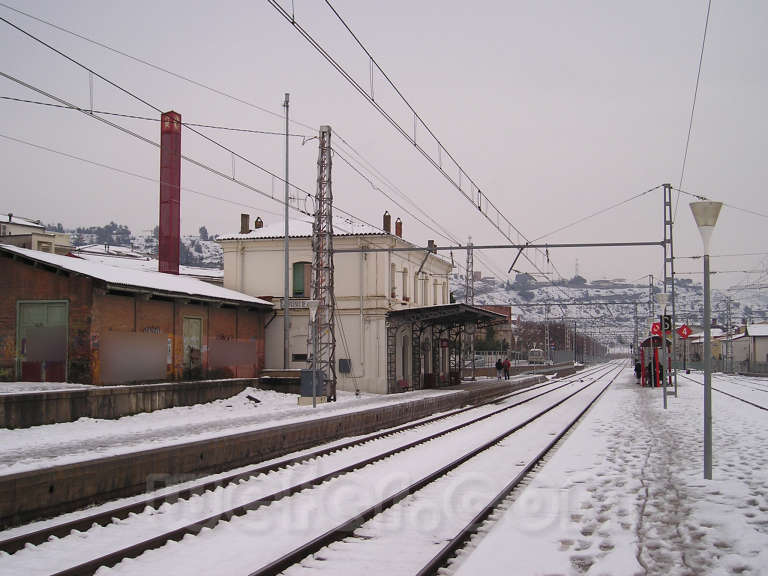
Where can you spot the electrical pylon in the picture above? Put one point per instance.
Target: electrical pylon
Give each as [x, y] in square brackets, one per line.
[322, 332]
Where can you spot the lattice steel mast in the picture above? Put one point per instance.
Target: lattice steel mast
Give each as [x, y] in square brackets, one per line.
[321, 329]
[669, 271]
[469, 279]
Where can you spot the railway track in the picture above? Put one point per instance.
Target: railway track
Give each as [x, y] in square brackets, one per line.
[106, 517]
[456, 540]
[761, 407]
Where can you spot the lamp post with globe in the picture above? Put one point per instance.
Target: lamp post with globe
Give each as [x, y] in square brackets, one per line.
[706, 213]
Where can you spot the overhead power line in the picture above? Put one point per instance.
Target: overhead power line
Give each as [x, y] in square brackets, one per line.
[185, 157]
[134, 96]
[474, 194]
[341, 141]
[599, 212]
[147, 118]
[729, 205]
[693, 105]
[129, 173]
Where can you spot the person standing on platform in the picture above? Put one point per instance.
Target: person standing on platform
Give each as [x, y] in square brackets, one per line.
[499, 367]
[506, 366]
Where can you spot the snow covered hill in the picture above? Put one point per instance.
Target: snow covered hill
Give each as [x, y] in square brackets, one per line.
[609, 306]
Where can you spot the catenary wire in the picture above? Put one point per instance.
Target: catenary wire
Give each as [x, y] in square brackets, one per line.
[129, 173]
[147, 118]
[222, 93]
[693, 105]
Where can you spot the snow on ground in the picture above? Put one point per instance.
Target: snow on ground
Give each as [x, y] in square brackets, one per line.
[625, 493]
[19, 387]
[88, 438]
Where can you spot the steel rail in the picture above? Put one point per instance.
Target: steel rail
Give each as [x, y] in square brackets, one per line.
[726, 393]
[346, 528]
[458, 541]
[105, 517]
[134, 550]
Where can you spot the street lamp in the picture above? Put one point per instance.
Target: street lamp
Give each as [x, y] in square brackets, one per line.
[661, 300]
[705, 214]
[313, 306]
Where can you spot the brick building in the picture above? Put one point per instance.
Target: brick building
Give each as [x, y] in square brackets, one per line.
[67, 319]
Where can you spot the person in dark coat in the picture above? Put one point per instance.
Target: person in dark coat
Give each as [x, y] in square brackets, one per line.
[506, 366]
[499, 366]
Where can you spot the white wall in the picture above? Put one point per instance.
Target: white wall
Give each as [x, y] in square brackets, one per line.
[256, 267]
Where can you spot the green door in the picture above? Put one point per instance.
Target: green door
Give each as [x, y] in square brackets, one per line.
[193, 358]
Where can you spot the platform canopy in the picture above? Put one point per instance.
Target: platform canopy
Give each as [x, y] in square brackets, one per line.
[435, 333]
[654, 342]
[446, 315]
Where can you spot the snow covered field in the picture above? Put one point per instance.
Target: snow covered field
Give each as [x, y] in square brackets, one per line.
[625, 493]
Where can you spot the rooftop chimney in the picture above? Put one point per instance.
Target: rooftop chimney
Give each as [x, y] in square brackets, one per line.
[399, 228]
[387, 224]
[245, 223]
[258, 223]
[10, 216]
[170, 192]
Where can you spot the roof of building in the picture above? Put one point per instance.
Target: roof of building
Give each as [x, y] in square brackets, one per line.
[302, 228]
[757, 329]
[13, 219]
[125, 257]
[137, 280]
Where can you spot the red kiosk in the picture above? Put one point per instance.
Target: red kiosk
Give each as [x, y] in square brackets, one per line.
[649, 361]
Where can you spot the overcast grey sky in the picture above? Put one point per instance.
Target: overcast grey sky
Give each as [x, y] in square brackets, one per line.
[556, 109]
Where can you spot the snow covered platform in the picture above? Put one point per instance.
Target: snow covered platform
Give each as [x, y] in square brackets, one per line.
[52, 469]
[25, 404]
[625, 494]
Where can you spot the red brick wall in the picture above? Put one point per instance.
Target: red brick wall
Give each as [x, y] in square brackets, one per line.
[21, 281]
[93, 312]
[239, 336]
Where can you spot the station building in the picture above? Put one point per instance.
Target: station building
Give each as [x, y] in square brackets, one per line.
[381, 347]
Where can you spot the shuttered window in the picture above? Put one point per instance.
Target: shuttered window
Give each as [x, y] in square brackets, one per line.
[301, 276]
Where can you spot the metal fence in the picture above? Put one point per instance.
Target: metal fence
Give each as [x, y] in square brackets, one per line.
[487, 359]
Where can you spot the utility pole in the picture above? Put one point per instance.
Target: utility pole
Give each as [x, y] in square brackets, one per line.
[729, 339]
[669, 270]
[546, 333]
[469, 297]
[635, 352]
[651, 312]
[286, 291]
[322, 330]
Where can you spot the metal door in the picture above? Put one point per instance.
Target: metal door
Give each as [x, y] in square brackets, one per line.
[193, 333]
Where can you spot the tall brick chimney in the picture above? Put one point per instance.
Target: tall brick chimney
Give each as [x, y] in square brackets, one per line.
[170, 192]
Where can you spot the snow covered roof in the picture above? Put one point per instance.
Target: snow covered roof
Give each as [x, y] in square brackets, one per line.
[713, 333]
[13, 219]
[142, 280]
[302, 228]
[757, 329]
[125, 257]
